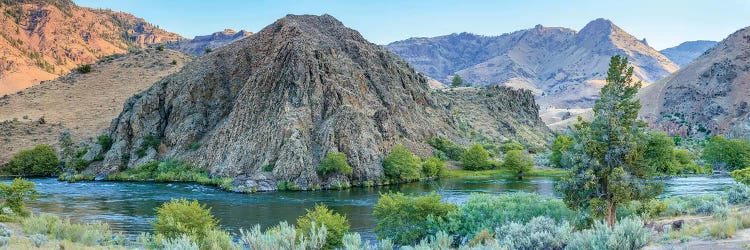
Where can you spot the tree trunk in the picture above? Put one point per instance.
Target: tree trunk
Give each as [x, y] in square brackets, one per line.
[612, 214]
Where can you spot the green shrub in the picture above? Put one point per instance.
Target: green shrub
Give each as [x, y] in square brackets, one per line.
[649, 209]
[401, 165]
[741, 175]
[660, 154]
[484, 211]
[476, 158]
[561, 145]
[730, 153]
[83, 69]
[150, 141]
[283, 236]
[38, 161]
[93, 234]
[628, 234]
[181, 243]
[336, 225]
[160, 48]
[538, 233]
[511, 145]
[433, 166]
[334, 163]
[405, 219]
[105, 141]
[738, 194]
[183, 217]
[518, 161]
[695, 205]
[448, 148]
[16, 194]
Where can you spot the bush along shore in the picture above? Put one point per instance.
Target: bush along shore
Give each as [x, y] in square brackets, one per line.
[509, 221]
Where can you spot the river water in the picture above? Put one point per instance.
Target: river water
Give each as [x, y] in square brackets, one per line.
[129, 207]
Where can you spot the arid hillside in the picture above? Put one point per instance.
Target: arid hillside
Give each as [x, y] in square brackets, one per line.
[83, 103]
[43, 39]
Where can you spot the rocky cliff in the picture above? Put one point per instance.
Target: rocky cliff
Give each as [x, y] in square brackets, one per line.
[686, 52]
[282, 99]
[708, 96]
[563, 67]
[200, 44]
[43, 39]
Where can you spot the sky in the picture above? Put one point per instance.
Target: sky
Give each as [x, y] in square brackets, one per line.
[664, 23]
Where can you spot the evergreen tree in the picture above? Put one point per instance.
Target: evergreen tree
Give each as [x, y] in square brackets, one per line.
[457, 81]
[606, 160]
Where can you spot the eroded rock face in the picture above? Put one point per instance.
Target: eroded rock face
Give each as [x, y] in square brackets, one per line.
[200, 44]
[282, 99]
[707, 97]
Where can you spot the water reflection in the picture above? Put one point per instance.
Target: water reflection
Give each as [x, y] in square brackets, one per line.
[129, 207]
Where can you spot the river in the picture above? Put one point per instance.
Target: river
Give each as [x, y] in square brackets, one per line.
[129, 207]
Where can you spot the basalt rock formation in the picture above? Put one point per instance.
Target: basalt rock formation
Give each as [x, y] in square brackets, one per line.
[267, 109]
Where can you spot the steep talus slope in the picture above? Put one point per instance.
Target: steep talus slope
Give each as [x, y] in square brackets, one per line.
[84, 104]
[282, 99]
[686, 52]
[43, 39]
[708, 96]
[564, 68]
[200, 44]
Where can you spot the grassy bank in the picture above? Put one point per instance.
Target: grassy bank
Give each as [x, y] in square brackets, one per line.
[504, 173]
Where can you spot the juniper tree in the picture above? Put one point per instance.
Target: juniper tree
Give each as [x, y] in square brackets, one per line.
[457, 81]
[606, 160]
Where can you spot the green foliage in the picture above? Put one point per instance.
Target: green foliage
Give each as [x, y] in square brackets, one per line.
[457, 81]
[695, 205]
[511, 145]
[538, 233]
[84, 69]
[433, 166]
[38, 161]
[741, 175]
[732, 154]
[75, 177]
[336, 225]
[105, 141]
[150, 141]
[606, 162]
[334, 163]
[16, 194]
[283, 236]
[738, 194]
[476, 158]
[405, 219]
[183, 217]
[268, 167]
[484, 211]
[649, 209]
[160, 48]
[447, 147]
[627, 235]
[562, 145]
[170, 170]
[92, 234]
[660, 154]
[518, 161]
[194, 145]
[401, 165]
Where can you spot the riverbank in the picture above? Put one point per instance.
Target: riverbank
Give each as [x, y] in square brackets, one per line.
[503, 173]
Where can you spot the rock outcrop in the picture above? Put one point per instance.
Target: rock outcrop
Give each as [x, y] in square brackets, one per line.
[708, 96]
[200, 44]
[686, 52]
[564, 68]
[282, 99]
[43, 39]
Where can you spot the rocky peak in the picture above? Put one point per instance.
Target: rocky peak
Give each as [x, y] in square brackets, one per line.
[283, 98]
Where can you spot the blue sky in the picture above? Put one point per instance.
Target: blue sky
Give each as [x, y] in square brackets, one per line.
[664, 23]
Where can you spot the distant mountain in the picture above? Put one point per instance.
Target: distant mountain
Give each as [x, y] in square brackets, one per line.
[708, 96]
[200, 44]
[43, 39]
[687, 52]
[564, 68]
[268, 108]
